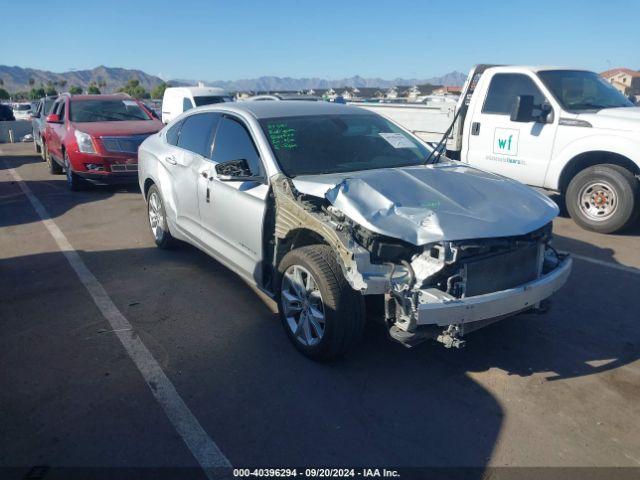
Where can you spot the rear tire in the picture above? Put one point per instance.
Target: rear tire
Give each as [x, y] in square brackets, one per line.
[158, 219]
[327, 303]
[54, 168]
[603, 198]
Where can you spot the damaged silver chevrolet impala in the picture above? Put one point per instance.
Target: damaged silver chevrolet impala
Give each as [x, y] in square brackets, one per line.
[339, 215]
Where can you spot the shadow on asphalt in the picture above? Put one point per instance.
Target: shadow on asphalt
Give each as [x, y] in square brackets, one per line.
[15, 208]
[382, 404]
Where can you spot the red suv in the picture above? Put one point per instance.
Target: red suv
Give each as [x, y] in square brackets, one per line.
[95, 138]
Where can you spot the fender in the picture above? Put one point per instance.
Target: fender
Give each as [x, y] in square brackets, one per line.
[609, 143]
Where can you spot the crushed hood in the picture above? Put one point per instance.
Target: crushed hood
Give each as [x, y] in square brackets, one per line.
[424, 204]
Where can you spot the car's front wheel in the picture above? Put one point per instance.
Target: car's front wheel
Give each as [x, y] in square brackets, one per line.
[74, 182]
[603, 198]
[322, 315]
[158, 219]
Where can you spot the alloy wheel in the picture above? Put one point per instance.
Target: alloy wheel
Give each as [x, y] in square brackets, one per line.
[302, 305]
[156, 217]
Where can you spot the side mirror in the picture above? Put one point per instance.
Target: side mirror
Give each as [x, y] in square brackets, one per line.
[522, 110]
[53, 118]
[235, 171]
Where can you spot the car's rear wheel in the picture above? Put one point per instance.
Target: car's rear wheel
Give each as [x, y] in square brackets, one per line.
[36, 146]
[603, 198]
[322, 315]
[74, 182]
[158, 219]
[54, 168]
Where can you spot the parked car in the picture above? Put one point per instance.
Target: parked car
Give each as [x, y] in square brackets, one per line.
[38, 121]
[180, 99]
[22, 111]
[6, 113]
[322, 206]
[564, 130]
[95, 138]
[283, 96]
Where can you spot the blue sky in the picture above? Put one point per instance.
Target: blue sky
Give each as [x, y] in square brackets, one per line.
[233, 39]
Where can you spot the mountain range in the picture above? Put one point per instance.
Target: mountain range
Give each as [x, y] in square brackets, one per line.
[16, 79]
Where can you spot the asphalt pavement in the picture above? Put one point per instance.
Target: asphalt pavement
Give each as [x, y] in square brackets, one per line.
[554, 390]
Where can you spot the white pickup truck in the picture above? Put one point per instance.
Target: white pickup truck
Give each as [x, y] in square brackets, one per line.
[563, 130]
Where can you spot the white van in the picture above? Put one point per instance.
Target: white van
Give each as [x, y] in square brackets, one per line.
[180, 99]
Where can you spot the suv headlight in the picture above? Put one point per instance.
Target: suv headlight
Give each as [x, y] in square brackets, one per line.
[85, 143]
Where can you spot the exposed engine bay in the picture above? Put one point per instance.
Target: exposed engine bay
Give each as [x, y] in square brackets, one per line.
[423, 287]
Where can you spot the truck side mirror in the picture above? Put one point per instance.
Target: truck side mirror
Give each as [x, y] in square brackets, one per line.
[522, 110]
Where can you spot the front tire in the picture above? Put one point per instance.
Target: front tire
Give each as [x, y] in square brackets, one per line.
[322, 315]
[158, 219]
[603, 198]
[74, 182]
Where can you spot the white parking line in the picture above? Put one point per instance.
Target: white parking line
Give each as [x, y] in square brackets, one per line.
[602, 263]
[203, 448]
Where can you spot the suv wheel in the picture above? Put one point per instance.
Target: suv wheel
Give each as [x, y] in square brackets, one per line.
[158, 219]
[54, 168]
[74, 182]
[322, 315]
[603, 198]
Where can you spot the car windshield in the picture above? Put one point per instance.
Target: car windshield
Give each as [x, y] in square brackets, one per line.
[579, 90]
[210, 100]
[106, 111]
[22, 107]
[319, 144]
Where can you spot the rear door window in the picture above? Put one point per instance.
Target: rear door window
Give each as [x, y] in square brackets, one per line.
[173, 133]
[197, 132]
[504, 89]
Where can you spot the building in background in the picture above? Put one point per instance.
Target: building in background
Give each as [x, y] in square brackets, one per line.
[625, 80]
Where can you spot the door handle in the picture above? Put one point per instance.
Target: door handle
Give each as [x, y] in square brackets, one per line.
[171, 160]
[475, 128]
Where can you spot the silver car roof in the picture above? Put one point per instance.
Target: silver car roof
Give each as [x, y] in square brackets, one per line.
[292, 108]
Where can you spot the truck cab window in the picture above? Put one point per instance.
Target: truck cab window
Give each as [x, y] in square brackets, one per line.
[186, 104]
[504, 89]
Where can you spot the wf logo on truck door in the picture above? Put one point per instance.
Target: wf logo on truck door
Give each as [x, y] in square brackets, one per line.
[505, 141]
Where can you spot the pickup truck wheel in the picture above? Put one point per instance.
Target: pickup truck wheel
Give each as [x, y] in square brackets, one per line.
[54, 168]
[74, 182]
[603, 198]
[158, 219]
[322, 315]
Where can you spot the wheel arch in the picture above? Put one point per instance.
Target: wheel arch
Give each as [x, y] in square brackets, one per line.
[589, 159]
[148, 183]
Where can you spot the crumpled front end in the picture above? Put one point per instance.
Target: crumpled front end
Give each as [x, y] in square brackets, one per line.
[431, 285]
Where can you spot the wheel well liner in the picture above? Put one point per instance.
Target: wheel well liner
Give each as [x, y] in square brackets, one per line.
[589, 159]
[147, 185]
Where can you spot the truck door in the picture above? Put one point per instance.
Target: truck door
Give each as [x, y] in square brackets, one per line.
[518, 150]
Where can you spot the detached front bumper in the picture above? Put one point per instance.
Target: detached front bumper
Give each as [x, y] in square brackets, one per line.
[437, 308]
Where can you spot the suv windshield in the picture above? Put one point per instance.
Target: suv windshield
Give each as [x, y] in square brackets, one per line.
[106, 111]
[210, 100]
[318, 144]
[579, 90]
